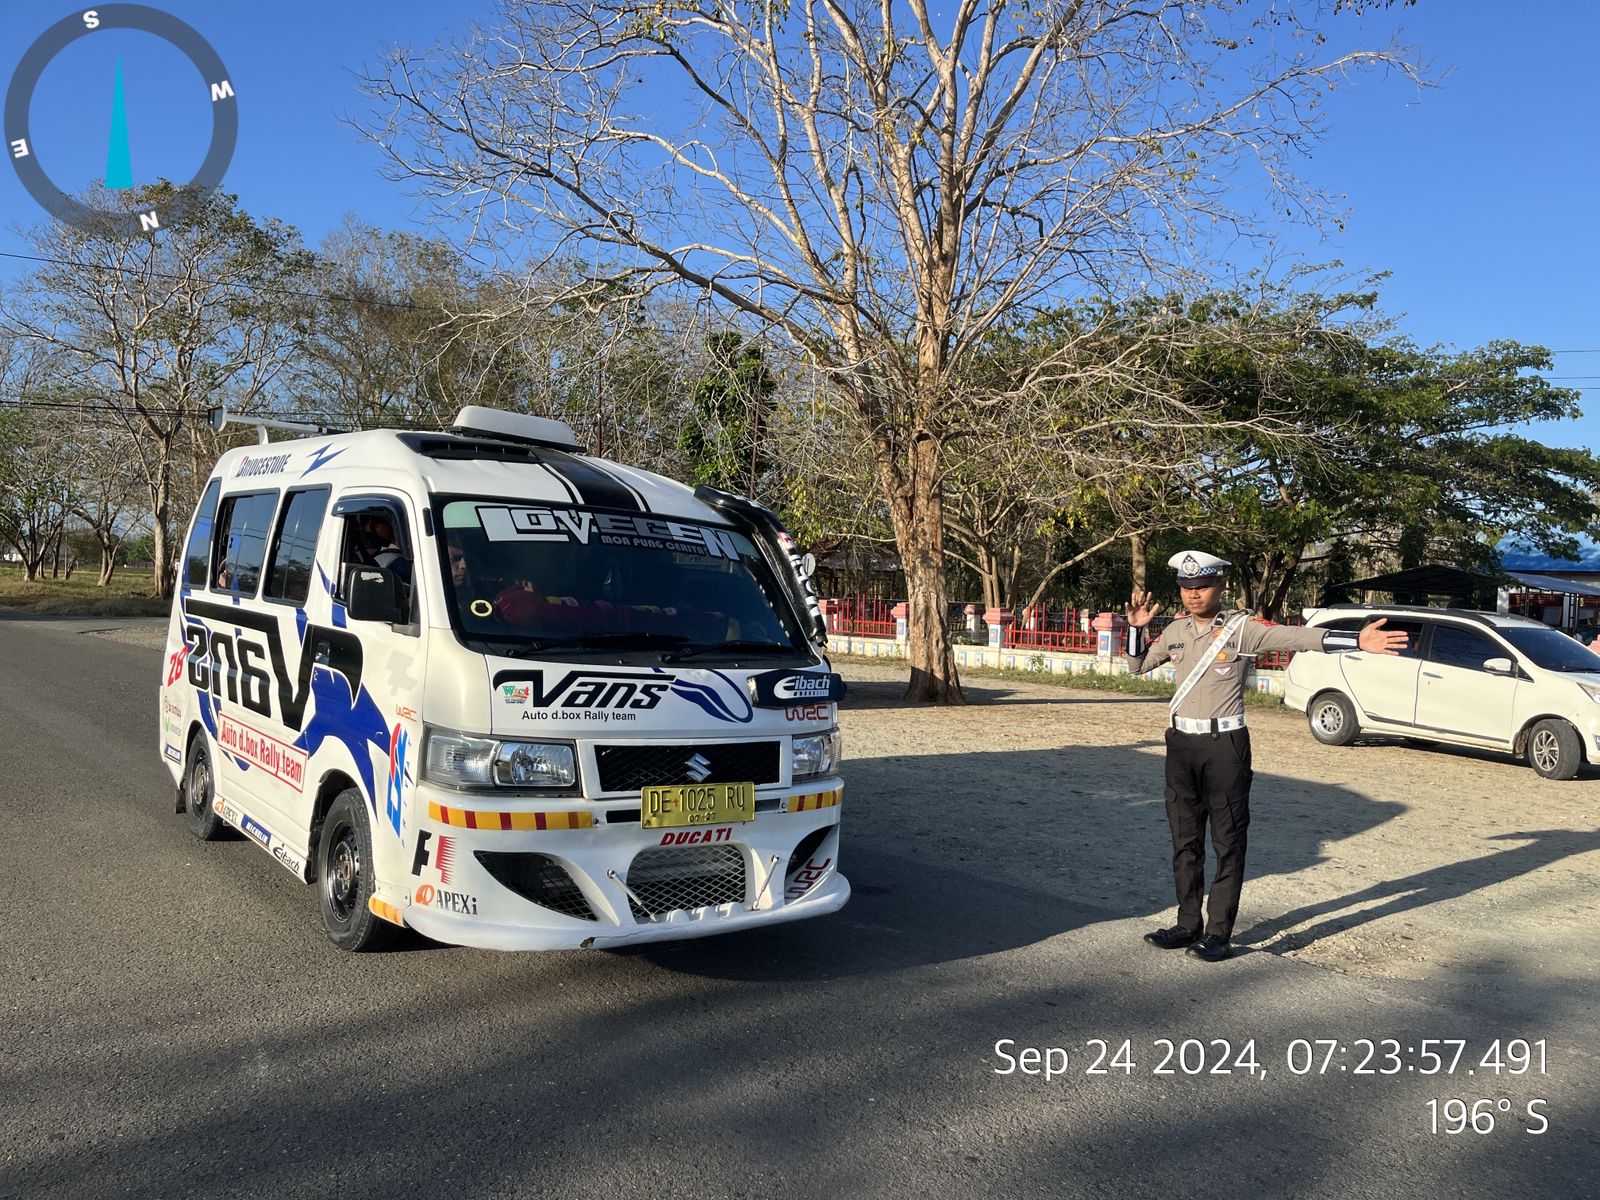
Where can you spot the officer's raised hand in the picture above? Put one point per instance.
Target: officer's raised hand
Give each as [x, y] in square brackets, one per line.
[1140, 611]
[1376, 640]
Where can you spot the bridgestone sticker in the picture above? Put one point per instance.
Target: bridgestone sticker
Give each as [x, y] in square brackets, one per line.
[504, 524]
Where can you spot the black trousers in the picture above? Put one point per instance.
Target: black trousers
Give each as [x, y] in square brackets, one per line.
[1208, 778]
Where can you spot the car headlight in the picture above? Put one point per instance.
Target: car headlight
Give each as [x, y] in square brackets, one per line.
[815, 754]
[458, 760]
[1590, 690]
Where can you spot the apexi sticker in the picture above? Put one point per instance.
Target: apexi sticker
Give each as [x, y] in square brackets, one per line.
[779, 689]
[453, 902]
[585, 691]
[607, 529]
[269, 464]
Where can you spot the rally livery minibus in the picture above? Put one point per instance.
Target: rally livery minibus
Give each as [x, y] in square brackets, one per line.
[484, 685]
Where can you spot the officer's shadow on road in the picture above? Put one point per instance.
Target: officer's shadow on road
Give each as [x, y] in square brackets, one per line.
[1391, 896]
[953, 856]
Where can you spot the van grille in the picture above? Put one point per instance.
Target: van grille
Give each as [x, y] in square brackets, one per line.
[665, 878]
[629, 768]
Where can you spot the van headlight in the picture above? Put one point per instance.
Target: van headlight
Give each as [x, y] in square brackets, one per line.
[460, 761]
[815, 754]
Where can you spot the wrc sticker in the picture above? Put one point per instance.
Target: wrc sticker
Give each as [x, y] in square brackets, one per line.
[470, 818]
[812, 800]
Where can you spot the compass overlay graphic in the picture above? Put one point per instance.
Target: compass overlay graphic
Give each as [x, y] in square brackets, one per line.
[215, 87]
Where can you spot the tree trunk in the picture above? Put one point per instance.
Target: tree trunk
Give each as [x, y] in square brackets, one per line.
[160, 535]
[917, 511]
[1139, 551]
[989, 576]
[108, 562]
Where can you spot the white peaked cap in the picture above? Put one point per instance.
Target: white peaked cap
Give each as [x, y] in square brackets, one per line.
[1197, 564]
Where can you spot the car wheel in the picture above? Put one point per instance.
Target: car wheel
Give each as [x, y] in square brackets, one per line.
[200, 794]
[1333, 719]
[345, 877]
[1554, 750]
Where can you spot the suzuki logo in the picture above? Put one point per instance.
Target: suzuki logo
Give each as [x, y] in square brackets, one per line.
[699, 768]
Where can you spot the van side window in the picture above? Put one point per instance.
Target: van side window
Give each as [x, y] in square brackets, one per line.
[294, 551]
[1457, 647]
[197, 555]
[377, 536]
[243, 523]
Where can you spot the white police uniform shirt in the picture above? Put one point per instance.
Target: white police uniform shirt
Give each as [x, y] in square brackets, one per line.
[1220, 693]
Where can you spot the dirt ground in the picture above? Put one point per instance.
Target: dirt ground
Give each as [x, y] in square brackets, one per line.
[1380, 859]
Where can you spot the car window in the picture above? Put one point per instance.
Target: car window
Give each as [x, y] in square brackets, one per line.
[1454, 646]
[1552, 650]
[196, 557]
[295, 551]
[243, 523]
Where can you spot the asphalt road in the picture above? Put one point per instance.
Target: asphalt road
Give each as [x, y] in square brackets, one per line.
[173, 1023]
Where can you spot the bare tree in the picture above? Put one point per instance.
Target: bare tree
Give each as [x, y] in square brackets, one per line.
[155, 330]
[880, 190]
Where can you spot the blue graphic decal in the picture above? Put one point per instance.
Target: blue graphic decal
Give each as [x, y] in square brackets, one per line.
[722, 703]
[399, 742]
[321, 458]
[353, 720]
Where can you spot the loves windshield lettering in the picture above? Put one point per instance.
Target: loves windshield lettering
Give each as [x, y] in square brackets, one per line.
[558, 577]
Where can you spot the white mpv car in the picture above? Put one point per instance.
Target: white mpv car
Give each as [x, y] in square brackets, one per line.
[1480, 679]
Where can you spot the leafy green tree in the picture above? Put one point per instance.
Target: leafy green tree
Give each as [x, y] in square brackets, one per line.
[732, 407]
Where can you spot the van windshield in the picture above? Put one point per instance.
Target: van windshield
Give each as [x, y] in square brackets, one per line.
[1552, 649]
[552, 579]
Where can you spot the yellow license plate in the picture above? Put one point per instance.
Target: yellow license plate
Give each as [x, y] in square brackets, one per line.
[677, 804]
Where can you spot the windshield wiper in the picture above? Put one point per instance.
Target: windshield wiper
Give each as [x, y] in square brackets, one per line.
[729, 648]
[594, 641]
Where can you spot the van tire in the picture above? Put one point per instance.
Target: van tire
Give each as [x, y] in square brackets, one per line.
[1333, 719]
[345, 878]
[1554, 749]
[200, 793]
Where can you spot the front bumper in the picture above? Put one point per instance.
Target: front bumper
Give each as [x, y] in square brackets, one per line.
[781, 866]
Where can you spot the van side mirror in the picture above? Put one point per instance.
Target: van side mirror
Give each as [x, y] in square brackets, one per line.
[374, 594]
[1499, 666]
[808, 565]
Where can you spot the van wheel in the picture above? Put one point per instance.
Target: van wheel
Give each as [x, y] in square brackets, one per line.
[345, 878]
[1554, 750]
[200, 794]
[1333, 720]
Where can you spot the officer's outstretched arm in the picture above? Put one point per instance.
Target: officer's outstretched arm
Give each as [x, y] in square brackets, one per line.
[1142, 657]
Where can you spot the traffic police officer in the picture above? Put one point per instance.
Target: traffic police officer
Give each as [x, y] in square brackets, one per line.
[1208, 747]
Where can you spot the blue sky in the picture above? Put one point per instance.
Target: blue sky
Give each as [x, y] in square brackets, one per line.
[1477, 195]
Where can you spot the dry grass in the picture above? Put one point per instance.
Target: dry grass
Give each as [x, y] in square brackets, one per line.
[127, 595]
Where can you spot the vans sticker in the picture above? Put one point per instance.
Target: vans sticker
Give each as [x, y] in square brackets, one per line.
[585, 691]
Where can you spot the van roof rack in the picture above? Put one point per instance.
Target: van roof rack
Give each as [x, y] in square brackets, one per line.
[497, 425]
